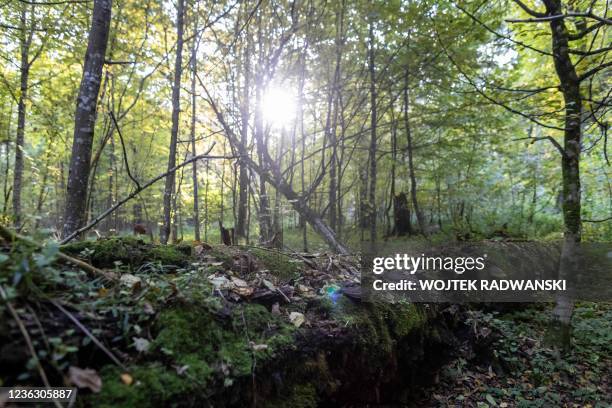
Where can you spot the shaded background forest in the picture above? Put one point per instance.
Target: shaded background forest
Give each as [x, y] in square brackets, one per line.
[354, 102]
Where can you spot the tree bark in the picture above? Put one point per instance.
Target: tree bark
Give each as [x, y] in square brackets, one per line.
[333, 179]
[243, 175]
[373, 141]
[570, 164]
[85, 117]
[413, 182]
[269, 172]
[194, 166]
[25, 40]
[169, 187]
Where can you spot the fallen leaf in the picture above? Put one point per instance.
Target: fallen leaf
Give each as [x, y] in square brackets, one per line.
[220, 282]
[85, 378]
[102, 292]
[258, 347]
[239, 282]
[131, 281]
[296, 318]
[148, 309]
[242, 291]
[180, 370]
[269, 284]
[127, 379]
[142, 345]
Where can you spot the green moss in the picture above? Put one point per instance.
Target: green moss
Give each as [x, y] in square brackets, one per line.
[280, 265]
[379, 325]
[154, 385]
[197, 332]
[129, 251]
[300, 396]
[169, 255]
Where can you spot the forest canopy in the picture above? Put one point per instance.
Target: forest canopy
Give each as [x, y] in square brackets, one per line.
[458, 105]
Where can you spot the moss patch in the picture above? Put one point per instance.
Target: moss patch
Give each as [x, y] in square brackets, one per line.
[131, 251]
[280, 265]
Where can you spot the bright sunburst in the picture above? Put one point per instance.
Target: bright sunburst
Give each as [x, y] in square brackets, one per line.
[278, 107]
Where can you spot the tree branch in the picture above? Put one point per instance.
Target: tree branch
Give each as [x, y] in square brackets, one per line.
[577, 36]
[593, 71]
[528, 10]
[486, 27]
[125, 159]
[137, 191]
[595, 221]
[487, 97]
[592, 52]
[544, 18]
[549, 138]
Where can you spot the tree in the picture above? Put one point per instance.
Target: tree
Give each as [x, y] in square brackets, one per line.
[410, 151]
[85, 117]
[373, 124]
[194, 168]
[169, 188]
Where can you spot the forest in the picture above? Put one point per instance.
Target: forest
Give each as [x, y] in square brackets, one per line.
[192, 189]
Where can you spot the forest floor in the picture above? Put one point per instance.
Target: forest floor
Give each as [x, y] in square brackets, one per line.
[518, 370]
[195, 324]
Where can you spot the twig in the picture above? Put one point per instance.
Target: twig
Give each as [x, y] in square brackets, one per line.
[560, 17]
[125, 159]
[595, 221]
[11, 236]
[89, 334]
[28, 340]
[137, 191]
[283, 294]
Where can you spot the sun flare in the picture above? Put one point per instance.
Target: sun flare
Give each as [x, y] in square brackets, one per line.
[278, 107]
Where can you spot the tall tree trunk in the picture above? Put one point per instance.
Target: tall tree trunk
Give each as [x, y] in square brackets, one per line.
[333, 180]
[570, 166]
[373, 141]
[6, 190]
[270, 172]
[413, 182]
[25, 40]
[244, 176]
[206, 189]
[169, 187]
[85, 117]
[302, 82]
[194, 167]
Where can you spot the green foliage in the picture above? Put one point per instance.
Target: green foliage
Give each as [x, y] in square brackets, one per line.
[542, 378]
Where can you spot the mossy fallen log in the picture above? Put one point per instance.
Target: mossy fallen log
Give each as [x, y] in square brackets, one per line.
[132, 251]
[212, 353]
[233, 327]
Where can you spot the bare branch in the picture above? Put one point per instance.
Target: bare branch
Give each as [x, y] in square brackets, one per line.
[505, 37]
[593, 71]
[137, 191]
[592, 52]
[543, 19]
[487, 97]
[125, 158]
[528, 10]
[577, 36]
[549, 138]
[596, 221]
[53, 3]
